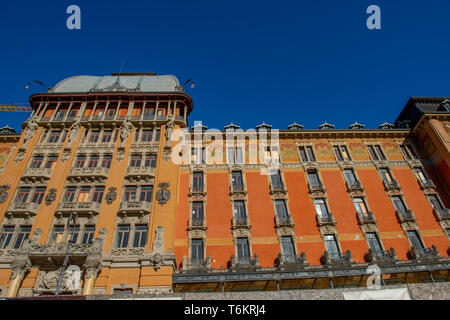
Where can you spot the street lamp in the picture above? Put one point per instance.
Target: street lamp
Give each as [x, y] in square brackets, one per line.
[38, 82]
[66, 258]
[192, 83]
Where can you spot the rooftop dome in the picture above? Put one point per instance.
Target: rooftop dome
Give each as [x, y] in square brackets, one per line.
[134, 82]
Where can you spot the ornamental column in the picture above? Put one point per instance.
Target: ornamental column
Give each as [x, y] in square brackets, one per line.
[91, 271]
[21, 265]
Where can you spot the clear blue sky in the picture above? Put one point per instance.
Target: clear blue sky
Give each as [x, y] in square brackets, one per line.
[252, 61]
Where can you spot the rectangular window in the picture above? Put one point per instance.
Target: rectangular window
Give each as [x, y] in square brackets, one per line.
[24, 233]
[135, 161]
[380, 152]
[150, 161]
[147, 135]
[107, 161]
[288, 246]
[275, 179]
[93, 161]
[421, 175]
[239, 155]
[146, 193]
[386, 175]
[414, 238]
[399, 204]
[435, 203]
[6, 236]
[243, 250]
[197, 210]
[408, 152]
[158, 133]
[123, 233]
[38, 195]
[57, 234]
[310, 153]
[373, 242]
[337, 153]
[23, 193]
[331, 244]
[130, 193]
[321, 207]
[149, 113]
[83, 196]
[197, 181]
[360, 205]
[59, 116]
[70, 194]
[107, 134]
[74, 232]
[197, 250]
[303, 156]
[50, 164]
[376, 153]
[140, 236]
[93, 138]
[349, 176]
[372, 153]
[231, 158]
[280, 206]
[239, 209]
[98, 194]
[88, 235]
[236, 179]
[313, 178]
[80, 162]
[54, 136]
[36, 162]
[110, 114]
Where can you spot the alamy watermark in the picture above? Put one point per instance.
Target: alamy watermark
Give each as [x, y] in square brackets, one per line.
[73, 22]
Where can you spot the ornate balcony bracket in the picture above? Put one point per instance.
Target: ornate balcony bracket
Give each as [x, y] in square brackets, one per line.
[326, 220]
[355, 187]
[197, 224]
[337, 258]
[37, 174]
[238, 264]
[317, 190]
[392, 186]
[383, 257]
[284, 262]
[424, 254]
[283, 222]
[135, 207]
[240, 222]
[406, 216]
[443, 214]
[365, 218]
[277, 190]
[195, 266]
[85, 207]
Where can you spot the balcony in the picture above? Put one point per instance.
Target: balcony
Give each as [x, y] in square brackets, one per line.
[423, 253]
[364, 218]
[140, 172]
[277, 189]
[37, 173]
[336, 258]
[391, 185]
[285, 221]
[197, 223]
[405, 216]
[325, 220]
[196, 265]
[426, 185]
[88, 172]
[316, 188]
[354, 186]
[89, 207]
[197, 190]
[291, 261]
[384, 256]
[240, 222]
[24, 208]
[135, 207]
[442, 214]
[244, 262]
[237, 189]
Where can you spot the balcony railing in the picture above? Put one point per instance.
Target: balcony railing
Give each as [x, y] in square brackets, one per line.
[283, 221]
[189, 264]
[237, 189]
[442, 214]
[324, 220]
[354, 186]
[45, 173]
[197, 223]
[86, 171]
[316, 187]
[240, 222]
[337, 257]
[277, 188]
[244, 262]
[384, 256]
[425, 185]
[197, 189]
[391, 185]
[364, 218]
[405, 216]
[291, 260]
[135, 206]
[24, 207]
[423, 253]
[140, 171]
[79, 207]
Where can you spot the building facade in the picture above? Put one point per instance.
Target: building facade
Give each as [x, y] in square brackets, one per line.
[107, 176]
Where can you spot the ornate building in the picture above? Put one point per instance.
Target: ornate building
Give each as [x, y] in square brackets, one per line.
[107, 191]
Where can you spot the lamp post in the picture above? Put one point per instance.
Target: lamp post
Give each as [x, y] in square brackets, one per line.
[66, 258]
[192, 83]
[39, 83]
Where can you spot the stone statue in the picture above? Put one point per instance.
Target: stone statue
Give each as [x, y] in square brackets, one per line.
[158, 244]
[32, 126]
[169, 130]
[125, 131]
[73, 133]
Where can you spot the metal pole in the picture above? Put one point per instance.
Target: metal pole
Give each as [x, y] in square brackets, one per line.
[66, 258]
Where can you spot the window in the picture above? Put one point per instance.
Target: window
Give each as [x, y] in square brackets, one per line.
[158, 132]
[360, 205]
[140, 236]
[376, 153]
[197, 181]
[197, 250]
[435, 203]
[150, 161]
[107, 134]
[386, 175]
[147, 135]
[23, 193]
[38, 195]
[414, 239]
[54, 136]
[123, 233]
[288, 246]
[198, 155]
[239, 209]
[130, 193]
[313, 178]
[135, 161]
[306, 153]
[350, 177]
[50, 164]
[197, 211]
[275, 179]
[421, 175]
[331, 244]
[408, 152]
[374, 242]
[36, 162]
[6, 236]
[88, 235]
[341, 153]
[280, 206]
[146, 193]
[59, 116]
[72, 114]
[243, 250]
[74, 231]
[98, 194]
[236, 180]
[57, 234]
[70, 194]
[80, 162]
[239, 155]
[107, 161]
[93, 161]
[83, 196]
[149, 113]
[93, 138]
[399, 204]
[321, 207]
[110, 114]
[24, 233]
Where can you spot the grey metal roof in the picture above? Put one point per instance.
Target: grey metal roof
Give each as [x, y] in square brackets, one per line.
[137, 83]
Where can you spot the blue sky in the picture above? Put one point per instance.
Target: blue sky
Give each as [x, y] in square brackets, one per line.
[252, 61]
